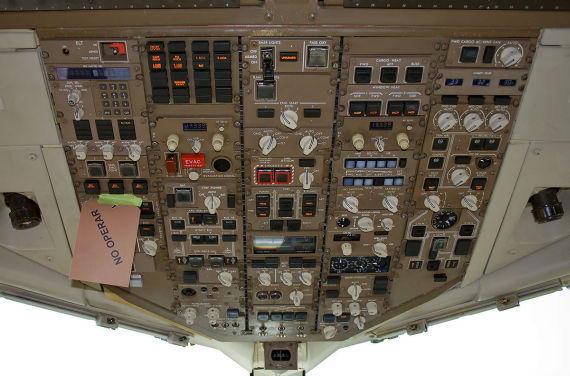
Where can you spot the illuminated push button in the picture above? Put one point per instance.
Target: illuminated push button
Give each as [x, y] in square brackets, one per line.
[212, 203]
[358, 141]
[469, 202]
[107, 150]
[336, 309]
[189, 315]
[472, 121]
[446, 121]
[225, 279]
[172, 142]
[432, 202]
[264, 279]
[308, 144]
[306, 278]
[390, 203]
[81, 152]
[346, 249]
[380, 249]
[354, 291]
[329, 332]
[359, 321]
[372, 308]
[150, 247]
[459, 177]
[354, 308]
[218, 141]
[351, 204]
[289, 119]
[296, 296]
[498, 121]
[287, 278]
[267, 143]
[193, 160]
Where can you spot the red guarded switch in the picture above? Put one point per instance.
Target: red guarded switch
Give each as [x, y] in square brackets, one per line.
[171, 164]
[283, 176]
[264, 176]
[193, 160]
[119, 48]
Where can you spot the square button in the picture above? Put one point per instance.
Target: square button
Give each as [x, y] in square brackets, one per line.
[440, 144]
[418, 231]
[362, 75]
[466, 230]
[413, 248]
[478, 184]
[357, 108]
[395, 108]
[435, 162]
[264, 176]
[265, 90]
[462, 247]
[430, 184]
[388, 75]
[414, 74]
[317, 56]
[411, 108]
[469, 54]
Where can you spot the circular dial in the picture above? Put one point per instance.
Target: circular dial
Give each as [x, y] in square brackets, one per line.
[365, 224]
[308, 144]
[343, 222]
[498, 121]
[446, 121]
[472, 121]
[444, 219]
[339, 264]
[510, 56]
[289, 118]
[350, 203]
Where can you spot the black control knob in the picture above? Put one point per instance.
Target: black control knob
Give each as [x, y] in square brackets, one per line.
[24, 213]
[483, 163]
[545, 206]
[343, 222]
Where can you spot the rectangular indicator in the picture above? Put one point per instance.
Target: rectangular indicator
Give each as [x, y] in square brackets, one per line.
[507, 82]
[284, 244]
[481, 82]
[453, 81]
[288, 56]
[194, 127]
[115, 74]
[193, 160]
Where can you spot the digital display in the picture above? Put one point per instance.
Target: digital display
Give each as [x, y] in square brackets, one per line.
[507, 82]
[114, 74]
[453, 81]
[284, 244]
[481, 82]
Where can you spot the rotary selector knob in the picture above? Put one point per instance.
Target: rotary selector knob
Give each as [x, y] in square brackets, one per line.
[372, 308]
[218, 142]
[289, 119]
[306, 278]
[213, 315]
[446, 121]
[472, 121]
[469, 202]
[336, 309]
[380, 249]
[390, 203]
[287, 278]
[403, 141]
[150, 247]
[387, 224]
[379, 143]
[359, 321]
[306, 178]
[189, 315]
[134, 152]
[73, 97]
[81, 152]
[510, 56]
[196, 146]
[346, 249]
[354, 308]
[267, 143]
[329, 332]
[432, 202]
[78, 113]
[498, 121]
[225, 279]
[212, 203]
[308, 144]
[358, 141]
[350, 203]
[107, 150]
[365, 224]
[296, 296]
[354, 291]
[459, 177]
[264, 279]
[172, 142]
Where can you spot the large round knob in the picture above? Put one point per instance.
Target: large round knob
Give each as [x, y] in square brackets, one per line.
[308, 144]
[459, 177]
[446, 121]
[107, 150]
[306, 278]
[510, 56]
[329, 332]
[379, 143]
[296, 296]
[380, 250]
[217, 142]
[358, 141]
[350, 203]
[372, 308]
[267, 143]
[212, 203]
[196, 146]
[346, 249]
[73, 97]
[189, 315]
[213, 315]
[289, 119]
[354, 308]
[81, 152]
[336, 309]
[403, 141]
[387, 224]
[306, 178]
[472, 121]
[264, 279]
[354, 291]
[432, 202]
[498, 121]
[469, 202]
[365, 224]
[287, 278]
[359, 321]
[134, 152]
[225, 279]
[172, 141]
[150, 247]
[390, 203]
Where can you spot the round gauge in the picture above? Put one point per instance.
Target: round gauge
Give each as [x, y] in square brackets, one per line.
[339, 264]
[444, 219]
[360, 263]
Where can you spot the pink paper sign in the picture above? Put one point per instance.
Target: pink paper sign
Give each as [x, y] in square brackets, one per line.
[105, 244]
